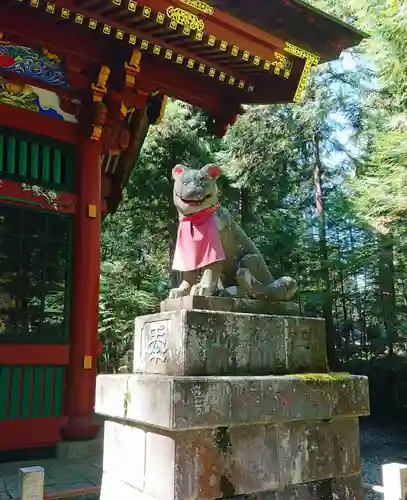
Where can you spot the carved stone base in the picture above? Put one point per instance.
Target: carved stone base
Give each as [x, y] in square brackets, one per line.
[205, 342]
[231, 305]
[212, 411]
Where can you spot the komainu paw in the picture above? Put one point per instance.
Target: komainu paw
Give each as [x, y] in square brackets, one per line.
[177, 293]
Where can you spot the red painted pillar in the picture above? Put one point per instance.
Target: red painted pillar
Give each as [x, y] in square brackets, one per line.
[81, 374]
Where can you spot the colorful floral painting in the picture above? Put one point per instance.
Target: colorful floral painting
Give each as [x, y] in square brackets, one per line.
[27, 62]
[33, 98]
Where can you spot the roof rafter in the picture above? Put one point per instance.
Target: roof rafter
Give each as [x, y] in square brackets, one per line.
[153, 40]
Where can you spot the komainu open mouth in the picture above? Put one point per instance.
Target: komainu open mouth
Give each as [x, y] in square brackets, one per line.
[194, 203]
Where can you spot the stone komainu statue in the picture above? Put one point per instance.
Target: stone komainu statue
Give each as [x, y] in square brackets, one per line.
[214, 254]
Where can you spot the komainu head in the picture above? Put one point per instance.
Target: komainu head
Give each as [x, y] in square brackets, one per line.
[195, 190]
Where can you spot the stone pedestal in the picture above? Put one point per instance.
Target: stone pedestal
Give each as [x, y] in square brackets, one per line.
[229, 405]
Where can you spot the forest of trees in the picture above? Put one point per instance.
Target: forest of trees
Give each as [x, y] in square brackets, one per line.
[322, 189]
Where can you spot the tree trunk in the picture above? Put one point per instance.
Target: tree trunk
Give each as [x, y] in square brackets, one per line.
[299, 282]
[323, 257]
[341, 278]
[346, 326]
[400, 273]
[403, 291]
[386, 287]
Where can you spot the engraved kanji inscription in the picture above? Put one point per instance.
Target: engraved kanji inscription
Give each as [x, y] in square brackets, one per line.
[200, 400]
[157, 342]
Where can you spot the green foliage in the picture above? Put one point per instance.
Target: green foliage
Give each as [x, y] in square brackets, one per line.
[133, 278]
[381, 181]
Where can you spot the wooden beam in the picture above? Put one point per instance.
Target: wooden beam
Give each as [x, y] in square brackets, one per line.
[277, 89]
[26, 354]
[33, 122]
[222, 25]
[64, 37]
[11, 192]
[183, 85]
[251, 33]
[230, 29]
[186, 85]
[94, 14]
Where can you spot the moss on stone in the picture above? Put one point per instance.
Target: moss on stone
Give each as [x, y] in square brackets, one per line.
[320, 377]
[126, 402]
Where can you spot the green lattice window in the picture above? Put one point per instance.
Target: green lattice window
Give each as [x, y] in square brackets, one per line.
[31, 391]
[34, 275]
[28, 158]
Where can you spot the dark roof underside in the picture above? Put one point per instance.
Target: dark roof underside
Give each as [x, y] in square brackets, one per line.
[297, 22]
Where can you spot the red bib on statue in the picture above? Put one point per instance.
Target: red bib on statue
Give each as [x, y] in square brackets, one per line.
[198, 242]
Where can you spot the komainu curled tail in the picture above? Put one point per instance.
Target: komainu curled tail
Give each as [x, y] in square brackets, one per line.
[251, 280]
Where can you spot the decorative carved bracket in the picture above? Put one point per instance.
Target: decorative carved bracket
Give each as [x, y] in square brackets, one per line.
[115, 134]
[110, 108]
[99, 91]
[131, 69]
[115, 137]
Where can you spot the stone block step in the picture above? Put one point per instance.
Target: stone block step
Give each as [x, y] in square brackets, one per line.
[207, 464]
[198, 342]
[347, 488]
[184, 403]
